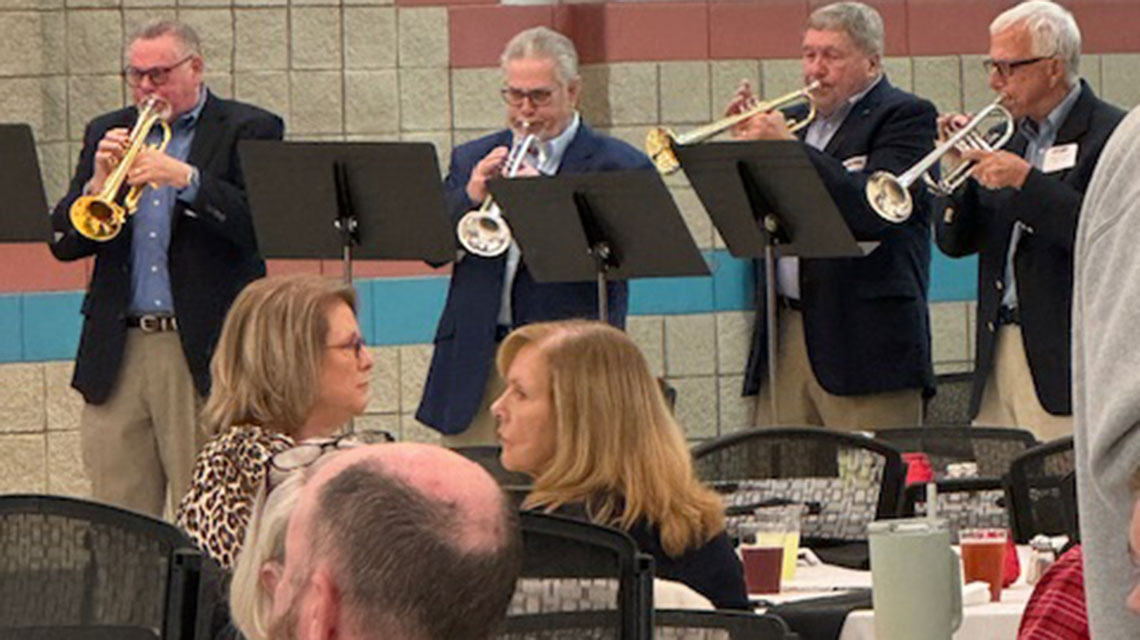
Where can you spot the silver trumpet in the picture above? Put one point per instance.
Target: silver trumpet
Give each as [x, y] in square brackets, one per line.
[483, 231]
[889, 195]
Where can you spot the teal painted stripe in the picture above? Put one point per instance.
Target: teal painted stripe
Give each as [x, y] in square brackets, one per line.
[395, 311]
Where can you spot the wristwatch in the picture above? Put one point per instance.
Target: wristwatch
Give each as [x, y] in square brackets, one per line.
[193, 178]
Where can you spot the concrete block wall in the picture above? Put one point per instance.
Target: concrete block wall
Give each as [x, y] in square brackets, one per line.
[425, 70]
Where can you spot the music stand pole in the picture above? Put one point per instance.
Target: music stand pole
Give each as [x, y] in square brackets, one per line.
[345, 223]
[770, 318]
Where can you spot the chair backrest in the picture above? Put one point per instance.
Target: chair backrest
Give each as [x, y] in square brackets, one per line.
[72, 568]
[670, 624]
[573, 565]
[950, 403]
[847, 480]
[1034, 495]
[992, 448]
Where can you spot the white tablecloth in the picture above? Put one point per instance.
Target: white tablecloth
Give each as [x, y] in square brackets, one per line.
[987, 621]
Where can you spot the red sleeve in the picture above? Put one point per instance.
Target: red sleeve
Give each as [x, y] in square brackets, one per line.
[1056, 610]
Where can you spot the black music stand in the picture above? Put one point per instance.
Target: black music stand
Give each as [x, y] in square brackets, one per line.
[579, 227]
[763, 196]
[26, 215]
[363, 200]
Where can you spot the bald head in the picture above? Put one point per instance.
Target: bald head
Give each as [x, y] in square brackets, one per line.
[394, 534]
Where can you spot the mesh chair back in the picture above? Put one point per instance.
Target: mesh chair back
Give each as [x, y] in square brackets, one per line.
[1034, 494]
[846, 480]
[668, 625]
[76, 569]
[951, 402]
[573, 565]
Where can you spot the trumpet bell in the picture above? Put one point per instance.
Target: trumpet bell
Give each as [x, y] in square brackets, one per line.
[97, 219]
[889, 197]
[484, 234]
[659, 148]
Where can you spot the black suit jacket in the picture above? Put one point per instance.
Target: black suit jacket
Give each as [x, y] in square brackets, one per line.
[212, 253]
[465, 340]
[977, 220]
[866, 321]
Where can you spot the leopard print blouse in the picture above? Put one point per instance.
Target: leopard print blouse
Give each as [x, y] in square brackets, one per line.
[229, 471]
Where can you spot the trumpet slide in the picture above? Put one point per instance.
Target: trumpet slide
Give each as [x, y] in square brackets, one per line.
[660, 142]
[99, 216]
[889, 195]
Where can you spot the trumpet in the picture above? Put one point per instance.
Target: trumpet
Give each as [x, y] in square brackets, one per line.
[660, 142]
[483, 231]
[889, 195]
[99, 216]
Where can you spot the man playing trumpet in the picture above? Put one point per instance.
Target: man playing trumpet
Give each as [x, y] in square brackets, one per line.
[854, 337]
[160, 287]
[489, 296]
[1019, 214]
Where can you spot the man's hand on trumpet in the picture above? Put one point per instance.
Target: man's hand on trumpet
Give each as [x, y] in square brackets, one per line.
[493, 165]
[155, 168]
[762, 126]
[997, 169]
[107, 156]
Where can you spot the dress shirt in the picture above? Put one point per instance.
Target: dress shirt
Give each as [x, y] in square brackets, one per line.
[150, 240]
[1040, 137]
[546, 159]
[819, 133]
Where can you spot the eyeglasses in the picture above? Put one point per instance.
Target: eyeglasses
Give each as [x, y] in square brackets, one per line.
[305, 453]
[538, 97]
[357, 345]
[1005, 68]
[158, 75]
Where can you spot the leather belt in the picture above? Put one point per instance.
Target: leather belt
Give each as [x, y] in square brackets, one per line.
[151, 323]
[1008, 315]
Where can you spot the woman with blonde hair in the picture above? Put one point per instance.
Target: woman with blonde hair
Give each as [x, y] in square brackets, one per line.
[583, 416]
[291, 365]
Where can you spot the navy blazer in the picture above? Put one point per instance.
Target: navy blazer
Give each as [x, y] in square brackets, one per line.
[212, 253]
[465, 339]
[866, 320]
[978, 220]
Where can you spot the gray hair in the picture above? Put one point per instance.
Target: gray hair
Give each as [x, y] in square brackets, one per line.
[184, 33]
[541, 42]
[861, 22]
[1052, 32]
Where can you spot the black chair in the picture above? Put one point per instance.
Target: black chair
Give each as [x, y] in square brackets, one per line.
[846, 480]
[950, 403]
[73, 569]
[670, 624]
[571, 565]
[963, 502]
[1035, 496]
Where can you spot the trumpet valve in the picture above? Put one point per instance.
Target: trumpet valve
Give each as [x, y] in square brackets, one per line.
[659, 147]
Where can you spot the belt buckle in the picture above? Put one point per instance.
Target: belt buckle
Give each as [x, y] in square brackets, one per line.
[150, 324]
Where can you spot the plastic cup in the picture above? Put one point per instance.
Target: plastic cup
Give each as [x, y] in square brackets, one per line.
[779, 526]
[983, 557]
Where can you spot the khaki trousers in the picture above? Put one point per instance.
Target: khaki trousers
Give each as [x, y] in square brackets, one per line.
[481, 431]
[804, 402]
[1010, 399]
[139, 446]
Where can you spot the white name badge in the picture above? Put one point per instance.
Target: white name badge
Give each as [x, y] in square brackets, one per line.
[855, 163]
[1059, 157]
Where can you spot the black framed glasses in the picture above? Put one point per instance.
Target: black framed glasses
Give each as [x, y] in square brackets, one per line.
[305, 453]
[357, 344]
[1005, 68]
[539, 97]
[158, 75]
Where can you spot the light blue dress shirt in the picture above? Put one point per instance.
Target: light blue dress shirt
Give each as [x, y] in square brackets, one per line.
[546, 158]
[150, 240]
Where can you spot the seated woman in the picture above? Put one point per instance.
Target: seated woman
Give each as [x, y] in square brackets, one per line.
[290, 365]
[583, 416]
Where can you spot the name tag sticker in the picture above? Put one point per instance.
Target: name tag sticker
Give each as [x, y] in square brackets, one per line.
[855, 163]
[1063, 156]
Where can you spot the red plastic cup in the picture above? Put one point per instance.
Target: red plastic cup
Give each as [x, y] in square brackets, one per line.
[762, 568]
[918, 468]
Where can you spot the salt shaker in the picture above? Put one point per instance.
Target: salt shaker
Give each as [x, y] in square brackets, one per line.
[1041, 555]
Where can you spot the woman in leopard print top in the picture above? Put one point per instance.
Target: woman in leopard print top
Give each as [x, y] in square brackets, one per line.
[290, 365]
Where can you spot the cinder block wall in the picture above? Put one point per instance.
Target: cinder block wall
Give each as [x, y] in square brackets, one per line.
[425, 71]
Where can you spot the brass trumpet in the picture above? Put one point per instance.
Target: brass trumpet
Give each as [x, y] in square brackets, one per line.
[483, 231]
[660, 142]
[98, 216]
[889, 195]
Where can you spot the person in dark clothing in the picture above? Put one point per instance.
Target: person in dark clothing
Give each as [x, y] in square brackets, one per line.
[583, 416]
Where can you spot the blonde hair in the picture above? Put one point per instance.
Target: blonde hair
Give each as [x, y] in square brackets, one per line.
[618, 448]
[265, 368]
[251, 605]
